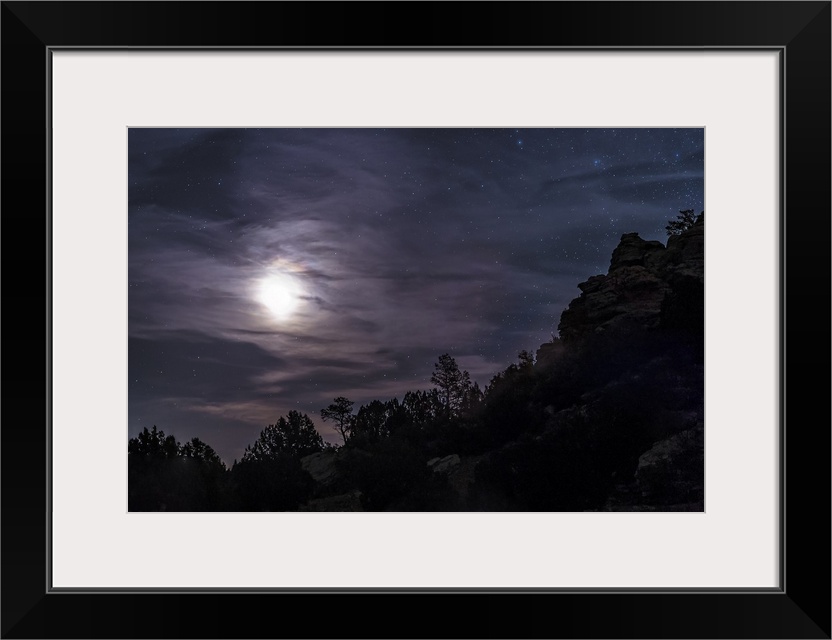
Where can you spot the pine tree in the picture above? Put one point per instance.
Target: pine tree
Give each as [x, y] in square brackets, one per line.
[453, 384]
[340, 412]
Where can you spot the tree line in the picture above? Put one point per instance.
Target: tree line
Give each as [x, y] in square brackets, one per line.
[167, 475]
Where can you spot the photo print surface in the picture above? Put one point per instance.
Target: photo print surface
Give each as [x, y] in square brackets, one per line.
[416, 319]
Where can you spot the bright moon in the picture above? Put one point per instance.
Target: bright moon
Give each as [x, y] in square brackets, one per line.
[280, 294]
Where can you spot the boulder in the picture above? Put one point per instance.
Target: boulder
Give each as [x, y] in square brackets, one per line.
[444, 465]
[321, 466]
[460, 472]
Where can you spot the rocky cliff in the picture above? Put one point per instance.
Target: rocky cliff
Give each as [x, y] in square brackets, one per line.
[635, 340]
[648, 285]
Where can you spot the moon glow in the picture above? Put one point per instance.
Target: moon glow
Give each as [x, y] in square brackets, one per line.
[280, 294]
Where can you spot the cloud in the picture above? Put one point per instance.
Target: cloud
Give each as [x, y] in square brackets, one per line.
[404, 244]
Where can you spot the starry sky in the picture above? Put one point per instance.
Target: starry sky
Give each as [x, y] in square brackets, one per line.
[275, 269]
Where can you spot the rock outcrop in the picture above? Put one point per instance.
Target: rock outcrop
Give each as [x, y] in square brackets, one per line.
[549, 353]
[645, 287]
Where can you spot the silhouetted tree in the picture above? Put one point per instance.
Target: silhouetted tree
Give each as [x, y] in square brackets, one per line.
[197, 449]
[526, 360]
[164, 476]
[472, 399]
[370, 422]
[293, 435]
[421, 408]
[452, 384]
[684, 221]
[269, 477]
[396, 416]
[340, 412]
[205, 476]
[153, 444]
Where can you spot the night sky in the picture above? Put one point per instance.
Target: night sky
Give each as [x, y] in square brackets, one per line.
[275, 269]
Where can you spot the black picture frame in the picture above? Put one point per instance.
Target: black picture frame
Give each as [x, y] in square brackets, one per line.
[800, 608]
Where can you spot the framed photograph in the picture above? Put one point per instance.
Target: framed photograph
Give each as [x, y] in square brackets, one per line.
[392, 295]
[157, 148]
